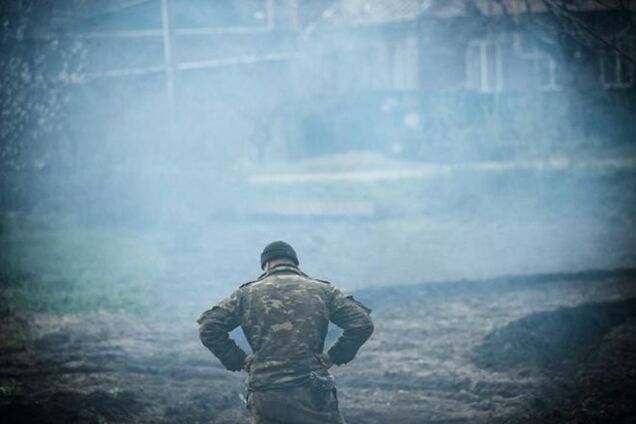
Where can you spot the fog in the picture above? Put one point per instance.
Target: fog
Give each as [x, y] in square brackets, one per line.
[209, 129]
[203, 131]
[470, 164]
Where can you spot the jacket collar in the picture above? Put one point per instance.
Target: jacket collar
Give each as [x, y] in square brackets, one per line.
[282, 268]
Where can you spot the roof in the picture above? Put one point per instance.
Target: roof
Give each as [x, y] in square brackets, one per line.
[356, 12]
[375, 12]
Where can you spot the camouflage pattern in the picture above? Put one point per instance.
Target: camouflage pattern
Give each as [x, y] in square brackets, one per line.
[284, 315]
[294, 405]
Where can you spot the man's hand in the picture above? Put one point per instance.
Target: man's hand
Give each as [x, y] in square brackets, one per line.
[248, 361]
[325, 360]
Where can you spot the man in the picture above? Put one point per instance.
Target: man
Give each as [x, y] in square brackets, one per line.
[284, 315]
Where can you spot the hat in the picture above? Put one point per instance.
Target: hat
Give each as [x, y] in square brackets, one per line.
[277, 250]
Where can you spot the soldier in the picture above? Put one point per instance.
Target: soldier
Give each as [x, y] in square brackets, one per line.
[284, 315]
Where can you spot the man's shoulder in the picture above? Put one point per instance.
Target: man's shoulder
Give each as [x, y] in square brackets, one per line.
[264, 276]
[318, 280]
[323, 285]
[260, 277]
[300, 274]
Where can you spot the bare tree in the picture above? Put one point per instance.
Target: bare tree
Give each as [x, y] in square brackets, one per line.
[565, 17]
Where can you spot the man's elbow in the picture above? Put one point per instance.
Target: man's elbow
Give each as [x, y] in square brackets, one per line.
[368, 329]
[207, 335]
[365, 330]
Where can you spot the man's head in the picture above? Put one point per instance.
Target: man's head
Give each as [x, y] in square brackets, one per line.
[278, 251]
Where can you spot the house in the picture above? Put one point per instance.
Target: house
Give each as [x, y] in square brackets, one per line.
[467, 79]
[483, 45]
[421, 79]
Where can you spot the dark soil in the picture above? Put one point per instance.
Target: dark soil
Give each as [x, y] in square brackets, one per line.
[552, 348]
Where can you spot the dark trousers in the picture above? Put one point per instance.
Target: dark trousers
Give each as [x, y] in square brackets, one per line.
[292, 406]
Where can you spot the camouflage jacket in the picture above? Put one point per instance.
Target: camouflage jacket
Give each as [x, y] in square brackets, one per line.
[284, 315]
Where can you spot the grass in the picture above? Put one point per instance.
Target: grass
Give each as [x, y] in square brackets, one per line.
[74, 270]
[8, 388]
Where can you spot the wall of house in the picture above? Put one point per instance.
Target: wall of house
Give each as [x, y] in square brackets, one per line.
[471, 89]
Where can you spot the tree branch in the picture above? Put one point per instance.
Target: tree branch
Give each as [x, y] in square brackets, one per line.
[558, 8]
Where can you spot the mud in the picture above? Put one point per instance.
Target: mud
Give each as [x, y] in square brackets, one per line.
[551, 348]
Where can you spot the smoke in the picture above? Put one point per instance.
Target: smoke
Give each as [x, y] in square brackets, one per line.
[413, 150]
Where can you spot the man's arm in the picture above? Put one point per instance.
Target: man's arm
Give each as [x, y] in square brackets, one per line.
[355, 322]
[214, 327]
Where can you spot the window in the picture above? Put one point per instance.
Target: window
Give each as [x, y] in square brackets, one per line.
[405, 64]
[525, 45]
[547, 73]
[365, 68]
[616, 70]
[483, 66]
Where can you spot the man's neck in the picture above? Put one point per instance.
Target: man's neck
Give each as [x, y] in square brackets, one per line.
[275, 264]
[282, 267]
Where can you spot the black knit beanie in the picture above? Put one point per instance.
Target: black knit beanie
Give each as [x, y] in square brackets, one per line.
[277, 250]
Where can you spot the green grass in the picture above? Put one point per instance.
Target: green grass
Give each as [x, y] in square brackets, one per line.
[76, 270]
[8, 388]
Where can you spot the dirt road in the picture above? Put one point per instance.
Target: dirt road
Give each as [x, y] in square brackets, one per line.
[550, 348]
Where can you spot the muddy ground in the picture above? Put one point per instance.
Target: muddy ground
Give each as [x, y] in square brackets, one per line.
[548, 348]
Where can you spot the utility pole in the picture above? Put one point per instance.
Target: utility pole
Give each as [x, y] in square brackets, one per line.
[269, 13]
[168, 59]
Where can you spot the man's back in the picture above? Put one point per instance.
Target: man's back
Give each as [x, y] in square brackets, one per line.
[284, 315]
